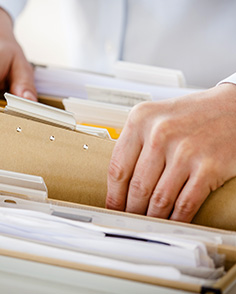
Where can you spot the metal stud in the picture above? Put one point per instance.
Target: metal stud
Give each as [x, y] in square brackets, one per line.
[85, 147]
[18, 129]
[52, 138]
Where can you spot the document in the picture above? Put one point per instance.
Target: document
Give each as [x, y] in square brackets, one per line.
[111, 117]
[156, 271]
[120, 245]
[104, 102]
[69, 83]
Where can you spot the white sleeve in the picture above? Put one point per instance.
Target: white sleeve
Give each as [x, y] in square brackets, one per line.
[13, 7]
[231, 79]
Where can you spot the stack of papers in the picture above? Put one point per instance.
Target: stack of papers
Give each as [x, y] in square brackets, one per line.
[69, 83]
[97, 113]
[151, 254]
[149, 74]
[105, 101]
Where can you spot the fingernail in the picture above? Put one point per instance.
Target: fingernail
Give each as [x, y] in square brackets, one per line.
[29, 95]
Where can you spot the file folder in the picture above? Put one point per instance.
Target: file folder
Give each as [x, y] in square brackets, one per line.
[11, 182]
[74, 165]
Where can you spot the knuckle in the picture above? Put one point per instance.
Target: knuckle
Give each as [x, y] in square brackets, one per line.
[114, 202]
[208, 167]
[185, 207]
[116, 172]
[138, 188]
[185, 150]
[161, 133]
[145, 106]
[139, 112]
[160, 201]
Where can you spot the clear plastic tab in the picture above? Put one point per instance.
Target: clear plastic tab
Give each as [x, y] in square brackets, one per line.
[39, 112]
[23, 186]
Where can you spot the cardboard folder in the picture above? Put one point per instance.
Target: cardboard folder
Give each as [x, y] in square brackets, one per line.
[14, 187]
[74, 165]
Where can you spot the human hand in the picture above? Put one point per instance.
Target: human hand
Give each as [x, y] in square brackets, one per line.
[15, 72]
[171, 154]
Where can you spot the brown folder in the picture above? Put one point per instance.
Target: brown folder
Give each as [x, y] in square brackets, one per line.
[74, 166]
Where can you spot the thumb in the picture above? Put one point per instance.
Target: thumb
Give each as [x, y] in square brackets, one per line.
[22, 78]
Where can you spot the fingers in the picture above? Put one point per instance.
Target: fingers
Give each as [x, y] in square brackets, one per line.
[178, 161]
[191, 198]
[148, 169]
[121, 168]
[155, 187]
[167, 191]
[171, 182]
[22, 78]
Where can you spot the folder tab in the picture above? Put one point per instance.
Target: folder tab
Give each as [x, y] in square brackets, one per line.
[37, 111]
[23, 185]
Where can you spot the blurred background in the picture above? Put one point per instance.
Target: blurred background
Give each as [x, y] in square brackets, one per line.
[34, 29]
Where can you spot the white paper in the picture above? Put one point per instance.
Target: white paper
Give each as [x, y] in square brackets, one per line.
[164, 272]
[89, 238]
[69, 83]
[157, 271]
[116, 96]
[97, 113]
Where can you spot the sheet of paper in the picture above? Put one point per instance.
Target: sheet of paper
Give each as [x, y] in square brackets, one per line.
[97, 113]
[69, 83]
[116, 96]
[76, 257]
[161, 271]
[102, 241]
[127, 222]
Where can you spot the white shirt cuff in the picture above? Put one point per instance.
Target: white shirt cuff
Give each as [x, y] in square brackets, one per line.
[231, 79]
[13, 7]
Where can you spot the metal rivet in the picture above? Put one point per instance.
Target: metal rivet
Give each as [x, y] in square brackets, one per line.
[85, 147]
[18, 129]
[52, 138]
